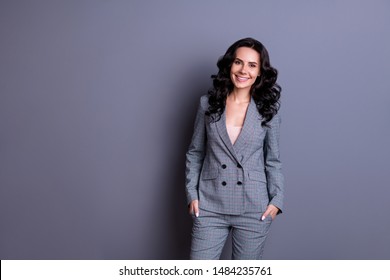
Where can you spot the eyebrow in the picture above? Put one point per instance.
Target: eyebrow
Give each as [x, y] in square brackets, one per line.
[254, 62]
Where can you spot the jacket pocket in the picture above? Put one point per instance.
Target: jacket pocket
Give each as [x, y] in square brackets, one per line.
[257, 176]
[209, 174]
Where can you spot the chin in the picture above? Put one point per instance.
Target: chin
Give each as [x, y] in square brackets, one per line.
[241, 86]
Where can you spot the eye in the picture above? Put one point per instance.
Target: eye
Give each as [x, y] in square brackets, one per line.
[237, 62]
[252, 65]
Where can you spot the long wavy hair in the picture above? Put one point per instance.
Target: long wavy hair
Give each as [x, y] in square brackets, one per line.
[265, 91]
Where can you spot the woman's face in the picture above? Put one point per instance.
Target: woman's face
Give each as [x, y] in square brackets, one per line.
[245, 68]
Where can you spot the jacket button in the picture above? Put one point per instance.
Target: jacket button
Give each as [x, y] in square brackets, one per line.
[239, 183]
[223, 166]
[223, 183]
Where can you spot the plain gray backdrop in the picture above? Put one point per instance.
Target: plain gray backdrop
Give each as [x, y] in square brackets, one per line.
[97, 104]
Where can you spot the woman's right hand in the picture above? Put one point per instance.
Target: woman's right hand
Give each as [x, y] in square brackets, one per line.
[193, 208]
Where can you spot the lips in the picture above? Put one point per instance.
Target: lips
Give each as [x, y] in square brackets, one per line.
[241, 79]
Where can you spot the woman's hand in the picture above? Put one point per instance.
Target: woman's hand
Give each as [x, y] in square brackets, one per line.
[271, 210]
[193, 208]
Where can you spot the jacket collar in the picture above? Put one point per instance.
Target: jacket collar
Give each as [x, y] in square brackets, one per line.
[252, 118]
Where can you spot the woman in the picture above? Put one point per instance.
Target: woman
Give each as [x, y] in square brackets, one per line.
[233, 170]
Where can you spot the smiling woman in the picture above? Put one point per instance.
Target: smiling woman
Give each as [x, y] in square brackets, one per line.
[245, 68]
[233, 169]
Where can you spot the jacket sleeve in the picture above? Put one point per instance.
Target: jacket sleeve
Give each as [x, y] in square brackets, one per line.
[273, 165]
[196, 152]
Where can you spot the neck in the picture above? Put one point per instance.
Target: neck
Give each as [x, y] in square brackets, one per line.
[240, 96]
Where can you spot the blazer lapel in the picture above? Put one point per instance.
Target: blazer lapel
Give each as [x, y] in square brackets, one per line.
[252, 118]
[221, 128]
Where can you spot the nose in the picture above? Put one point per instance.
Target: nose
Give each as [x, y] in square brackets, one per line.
[243, 68]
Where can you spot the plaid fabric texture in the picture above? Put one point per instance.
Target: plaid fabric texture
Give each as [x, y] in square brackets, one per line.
[234, 179]
[210, 231]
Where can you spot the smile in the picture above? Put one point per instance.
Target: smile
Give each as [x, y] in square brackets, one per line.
[241, 79]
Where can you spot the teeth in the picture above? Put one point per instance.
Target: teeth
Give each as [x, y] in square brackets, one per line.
[242, 79]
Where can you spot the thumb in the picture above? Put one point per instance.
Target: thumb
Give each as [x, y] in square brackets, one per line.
[196, 209]
[266, 213]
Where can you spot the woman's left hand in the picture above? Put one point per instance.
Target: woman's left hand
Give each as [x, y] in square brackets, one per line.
[271, 210]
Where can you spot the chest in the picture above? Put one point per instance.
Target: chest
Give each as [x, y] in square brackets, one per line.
[235, 114]
[251, 136]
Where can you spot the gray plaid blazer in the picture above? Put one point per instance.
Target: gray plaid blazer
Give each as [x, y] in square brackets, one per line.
[239, 178]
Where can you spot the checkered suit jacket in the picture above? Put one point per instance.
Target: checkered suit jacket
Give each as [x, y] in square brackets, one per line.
[239, 178]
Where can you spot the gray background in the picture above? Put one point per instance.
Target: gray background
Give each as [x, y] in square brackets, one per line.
[97, 103]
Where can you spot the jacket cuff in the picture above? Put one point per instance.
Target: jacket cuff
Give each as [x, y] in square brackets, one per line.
[278, 203]
[192, 196]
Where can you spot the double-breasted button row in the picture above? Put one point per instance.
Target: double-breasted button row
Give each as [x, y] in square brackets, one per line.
[238, 183]
[224, 166]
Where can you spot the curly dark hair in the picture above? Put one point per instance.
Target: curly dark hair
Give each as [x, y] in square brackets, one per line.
[265, 91]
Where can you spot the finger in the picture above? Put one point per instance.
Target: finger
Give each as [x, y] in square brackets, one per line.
[196, 209]
[266, 213]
